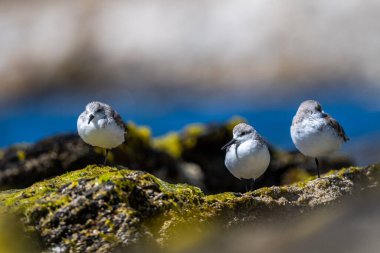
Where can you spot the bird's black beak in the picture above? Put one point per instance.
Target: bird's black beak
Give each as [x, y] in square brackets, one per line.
[233, 141]
[90, 118]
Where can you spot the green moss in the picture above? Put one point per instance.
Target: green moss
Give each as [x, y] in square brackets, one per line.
[331, 172]
[295, 175]
[170, 143]
[21, 155]
[194, 130]
[191, 133]
[264, 191]
[20, 200]
[142, 133]
[351, 171]
[221, 197]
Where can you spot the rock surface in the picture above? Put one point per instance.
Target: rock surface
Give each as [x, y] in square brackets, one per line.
[103, 209]
[350, 226]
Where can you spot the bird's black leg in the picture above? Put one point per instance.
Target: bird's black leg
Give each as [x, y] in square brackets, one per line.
[246, 183]
[317, 163]
[105, 158]
[252, 184]
[249, 184]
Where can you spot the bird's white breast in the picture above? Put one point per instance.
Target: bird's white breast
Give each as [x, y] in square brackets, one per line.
[109, 136]
[314, 137]
[249, 160]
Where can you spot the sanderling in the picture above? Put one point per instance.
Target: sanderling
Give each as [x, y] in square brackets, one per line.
[101, 126]
[247, 155]
[314, 132]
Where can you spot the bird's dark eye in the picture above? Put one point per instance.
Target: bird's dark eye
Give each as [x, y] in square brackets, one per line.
[97, 110]
[243, 133]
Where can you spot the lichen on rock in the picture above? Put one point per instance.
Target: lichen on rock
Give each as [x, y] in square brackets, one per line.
[100, 209]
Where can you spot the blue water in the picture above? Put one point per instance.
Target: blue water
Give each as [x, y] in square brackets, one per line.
[36, 119]
[33, 124]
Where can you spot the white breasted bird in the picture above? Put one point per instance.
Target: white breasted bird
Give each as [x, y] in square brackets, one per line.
[315, 133]
[247, 155]
[101, 126]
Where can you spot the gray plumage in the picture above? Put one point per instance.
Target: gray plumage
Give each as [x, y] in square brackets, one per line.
[110, 113]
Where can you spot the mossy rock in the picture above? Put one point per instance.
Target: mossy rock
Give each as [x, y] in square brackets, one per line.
[100, 209]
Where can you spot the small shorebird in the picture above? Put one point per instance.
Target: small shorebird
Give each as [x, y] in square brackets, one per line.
[101, 126]
[315, 133]
[247, 155]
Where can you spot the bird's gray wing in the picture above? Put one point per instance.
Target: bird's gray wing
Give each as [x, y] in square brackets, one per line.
[335, 125]
[119, 121]
[112, 115]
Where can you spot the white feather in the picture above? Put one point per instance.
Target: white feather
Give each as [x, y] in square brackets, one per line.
[249, 160]
[314, 137]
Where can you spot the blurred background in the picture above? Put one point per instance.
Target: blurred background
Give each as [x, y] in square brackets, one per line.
[169, 63]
